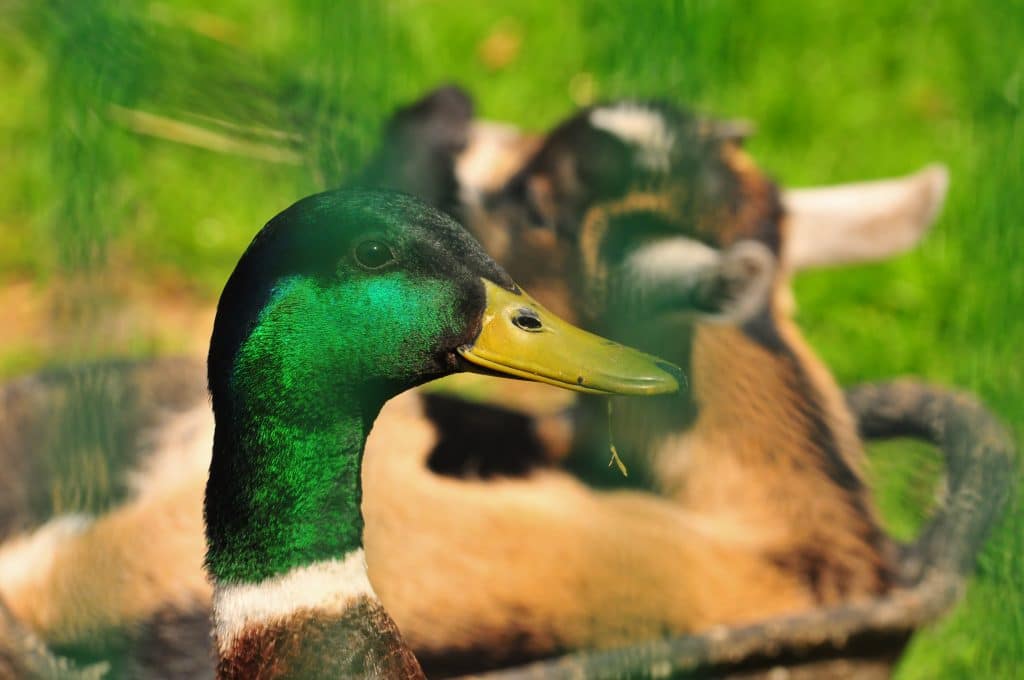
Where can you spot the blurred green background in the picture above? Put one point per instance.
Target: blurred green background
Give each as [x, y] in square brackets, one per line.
[143, 144]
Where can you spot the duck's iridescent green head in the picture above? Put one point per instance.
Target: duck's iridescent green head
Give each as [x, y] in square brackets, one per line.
[377, 289]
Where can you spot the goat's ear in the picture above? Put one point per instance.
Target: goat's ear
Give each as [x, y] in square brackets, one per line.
[741, 283]
[419, 146]
[861, 222]
[441, 119]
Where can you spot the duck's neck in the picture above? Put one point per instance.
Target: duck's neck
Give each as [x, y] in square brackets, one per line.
[283, 495]
[284, 529]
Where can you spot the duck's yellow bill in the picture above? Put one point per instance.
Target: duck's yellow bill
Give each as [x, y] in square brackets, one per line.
[519, 337]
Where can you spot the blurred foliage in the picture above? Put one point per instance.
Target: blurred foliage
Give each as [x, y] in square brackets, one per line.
[840, 91]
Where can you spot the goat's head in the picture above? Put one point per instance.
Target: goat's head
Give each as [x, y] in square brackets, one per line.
[647, 210]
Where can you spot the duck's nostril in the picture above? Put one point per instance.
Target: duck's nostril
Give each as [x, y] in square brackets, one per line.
[527, 319]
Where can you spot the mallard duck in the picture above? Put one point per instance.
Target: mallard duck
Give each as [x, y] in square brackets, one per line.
[341, 302]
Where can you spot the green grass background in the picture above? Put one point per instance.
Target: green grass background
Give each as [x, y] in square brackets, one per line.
[840, 91]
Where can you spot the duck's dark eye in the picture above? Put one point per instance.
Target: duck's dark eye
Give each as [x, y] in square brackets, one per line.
[373, 254]
[527, 319]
